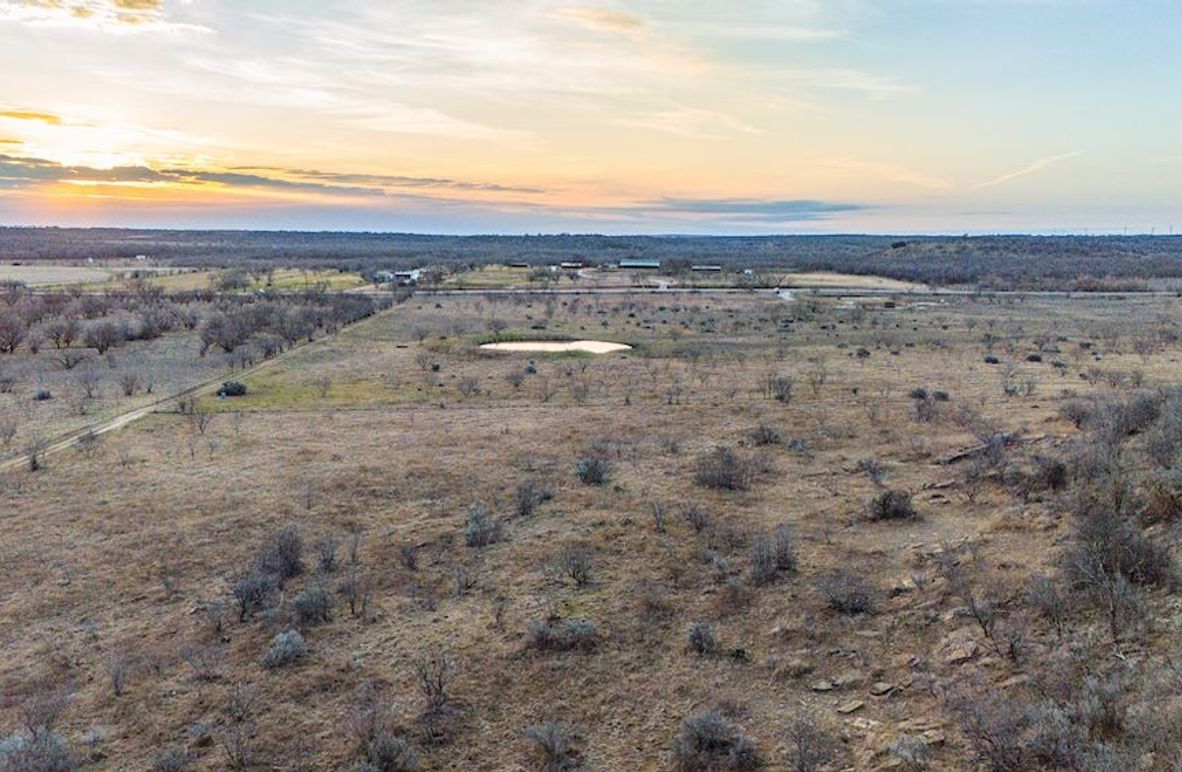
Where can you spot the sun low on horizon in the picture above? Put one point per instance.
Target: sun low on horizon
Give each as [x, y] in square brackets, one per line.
[797, 116]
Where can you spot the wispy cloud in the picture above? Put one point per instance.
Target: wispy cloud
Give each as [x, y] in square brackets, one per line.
[116, 16]
[686, 121]
[14, 114]
[32, 171]
[872, 84]
[866, 170]
[1038, 165]
[603, 19]
[783, 33]
[381, 181]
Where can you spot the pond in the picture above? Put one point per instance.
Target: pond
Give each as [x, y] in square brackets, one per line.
[557, 346]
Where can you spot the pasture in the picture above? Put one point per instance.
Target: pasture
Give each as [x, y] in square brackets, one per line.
[607, 547]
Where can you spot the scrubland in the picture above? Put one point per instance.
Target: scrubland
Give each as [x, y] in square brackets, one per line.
[825, 534]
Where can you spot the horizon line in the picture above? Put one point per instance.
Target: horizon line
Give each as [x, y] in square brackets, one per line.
[1048, 233]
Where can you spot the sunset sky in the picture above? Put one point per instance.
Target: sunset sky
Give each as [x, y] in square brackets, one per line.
[654, 116]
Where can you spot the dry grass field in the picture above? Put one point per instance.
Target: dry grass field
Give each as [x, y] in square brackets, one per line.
[41, 274]
[848, 281]
[748, 542]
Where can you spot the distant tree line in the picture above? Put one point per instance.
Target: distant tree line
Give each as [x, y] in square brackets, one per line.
[1011, 262]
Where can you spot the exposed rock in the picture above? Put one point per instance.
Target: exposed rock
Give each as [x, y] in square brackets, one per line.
[932, 737]
[821, 686]
[961, 653]
[913, 725]
[850, 707]
[957, 648]
[881, 687]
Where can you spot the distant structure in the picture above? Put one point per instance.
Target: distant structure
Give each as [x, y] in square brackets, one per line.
[635, 264]
[706, 268]
[519, 264]
[400, 278]
[571, 265]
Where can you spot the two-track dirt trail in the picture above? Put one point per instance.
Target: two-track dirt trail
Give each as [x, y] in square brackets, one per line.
[121, 420]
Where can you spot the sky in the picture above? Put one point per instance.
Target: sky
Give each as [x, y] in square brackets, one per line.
[651, 116]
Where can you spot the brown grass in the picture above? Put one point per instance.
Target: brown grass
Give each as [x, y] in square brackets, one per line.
[398, 452]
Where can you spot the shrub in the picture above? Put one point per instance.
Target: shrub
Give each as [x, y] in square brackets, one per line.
[326, 549]
[918, 393]
[783, 549]
[766, 435]
[576, 563]
[891, 505]
[847, 593]
[232, 389]
[172, 760]
[1124, 419]
[809, 746]
[992, 360]
[253, 591]
[286, 647]
[696, 515]
[1163, 498]
[530, 494]
[778, 387]
[408, 556]
[1050, 473]
[434, 673]
[563, 635]
[710, 741]
[1107, 545]
[355, 588]
[1044, 596]
[926, 409]
[1005, 733]
[770, 555]
[1077, 412]
[119, 670]
[554, 742]
[482, 528]
[311, 606]
[593, 471]
[701, 639]
[1034, 357]
[873, 469]
[42, 750]
[762, 564]
[1164, 440]
[723, 469]
[385, 752]
[42, 395]
[205, 661]
[282, 555]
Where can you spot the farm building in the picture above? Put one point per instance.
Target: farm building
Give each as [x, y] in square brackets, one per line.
[640, 265]
[571, 265]
[706, 268]
[401, 278]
